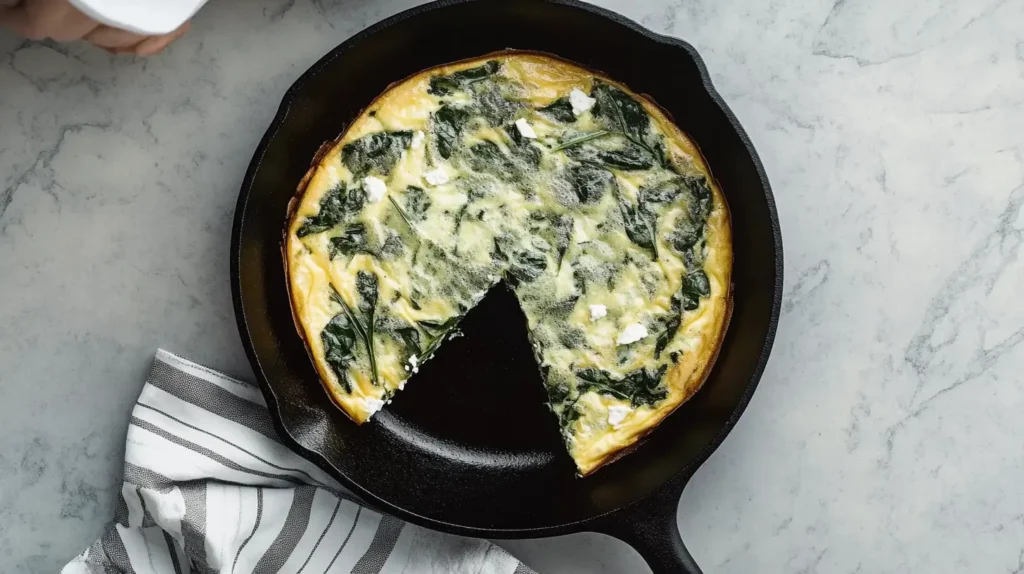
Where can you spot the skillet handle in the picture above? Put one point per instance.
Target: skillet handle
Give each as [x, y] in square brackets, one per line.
[650, 527]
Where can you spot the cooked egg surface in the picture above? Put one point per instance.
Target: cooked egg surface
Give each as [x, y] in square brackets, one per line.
[585, 199]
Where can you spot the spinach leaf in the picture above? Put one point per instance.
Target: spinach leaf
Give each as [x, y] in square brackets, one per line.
[493, 106]
[338, 338]
[625, 115]
[444, 85]
[641, 387]
[570, 414]
[525, 265]
[693, 259]
[572, 338]
[529, 266]
[579, 281]
[439, 332]
[701, 203]
[647, 386]
[562, 227]
[393, 246]
[601, 382]
[666, 335]
[517, 138]
[521, 146]
[360, 330]
[375, 153]
[417, 202]
[695, 285]
[354, 200]
[664, 192]
[335, 206]
[486, 152]
[560, 110]
[562, 401]
[689, 227]
[639, 227]
[459, 216]
[352, 240]
[435, 329]
[409, 336]
[561, 308]
[621, 112]
[478, 192]
[670, 326]
[487, 157]
[631, 157]
[685, 236]
[590, 183]
[558, 393]
[367, 285]
[448, 125]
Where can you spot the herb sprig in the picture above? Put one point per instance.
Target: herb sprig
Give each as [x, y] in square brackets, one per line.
[363, 333]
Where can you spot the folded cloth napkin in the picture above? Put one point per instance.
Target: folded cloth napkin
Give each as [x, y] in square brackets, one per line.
[210, 488]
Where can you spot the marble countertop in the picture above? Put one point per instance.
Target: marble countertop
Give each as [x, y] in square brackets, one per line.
[886, 433]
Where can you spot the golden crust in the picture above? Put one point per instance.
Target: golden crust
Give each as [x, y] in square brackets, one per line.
[683, 379]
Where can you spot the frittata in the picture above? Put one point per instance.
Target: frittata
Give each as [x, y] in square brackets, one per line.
[584, 198]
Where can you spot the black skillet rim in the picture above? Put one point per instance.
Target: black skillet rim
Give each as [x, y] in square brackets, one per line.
[683, 475]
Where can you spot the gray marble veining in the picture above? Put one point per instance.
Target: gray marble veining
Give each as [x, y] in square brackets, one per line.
[886, 434]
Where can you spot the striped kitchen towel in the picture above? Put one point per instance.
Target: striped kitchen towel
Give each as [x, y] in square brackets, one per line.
[209, 488]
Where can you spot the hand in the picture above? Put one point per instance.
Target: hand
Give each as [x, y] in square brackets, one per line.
[59, 20]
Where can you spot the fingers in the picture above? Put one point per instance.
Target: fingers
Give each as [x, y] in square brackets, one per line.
[19, 20]
[156, 44]
[113, 39]
[41, 19]
[121, 42]
[73, 25]
[58, 19]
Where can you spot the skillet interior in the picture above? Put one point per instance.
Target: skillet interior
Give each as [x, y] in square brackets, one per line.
[469, 447]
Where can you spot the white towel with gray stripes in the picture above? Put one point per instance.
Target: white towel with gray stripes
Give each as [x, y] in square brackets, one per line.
[209, 488]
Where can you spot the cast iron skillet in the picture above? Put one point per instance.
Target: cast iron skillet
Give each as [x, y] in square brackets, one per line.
[469, 447]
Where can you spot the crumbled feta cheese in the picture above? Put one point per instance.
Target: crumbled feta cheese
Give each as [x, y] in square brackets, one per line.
[375, 188]
[581, 102]
[631, 334]
[417, 140]
[525, 129]
[372, 406]
[617, 414]
[414, 361]
[436, 177]
[597, 312]
[401, 384]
